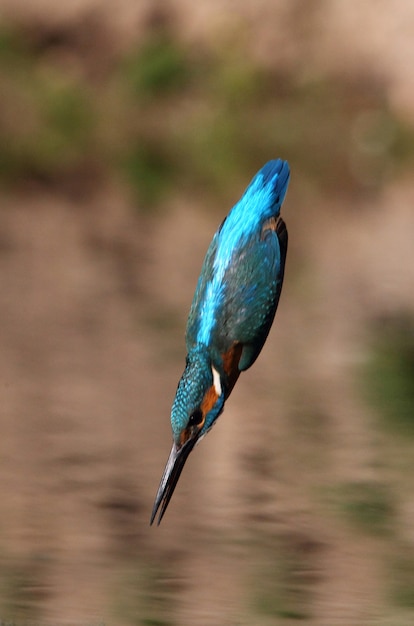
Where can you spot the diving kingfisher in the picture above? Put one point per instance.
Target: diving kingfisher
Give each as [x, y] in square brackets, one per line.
[234, 305]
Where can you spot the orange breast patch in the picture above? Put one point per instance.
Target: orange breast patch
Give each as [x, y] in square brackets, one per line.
[209, 400]
[231, 360]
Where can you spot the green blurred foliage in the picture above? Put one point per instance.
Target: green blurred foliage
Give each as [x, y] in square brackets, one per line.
[145, 596]
[369, 506]
[401, 576]
[167, 117]
[46, 119]
[21, 588]
[282, 585]
[159, 67]
[389, 374]
[148, 171]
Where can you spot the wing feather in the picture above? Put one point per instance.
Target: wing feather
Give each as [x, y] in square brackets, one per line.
[252, 287]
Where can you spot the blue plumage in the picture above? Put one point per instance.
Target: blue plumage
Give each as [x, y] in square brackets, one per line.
[233, 308]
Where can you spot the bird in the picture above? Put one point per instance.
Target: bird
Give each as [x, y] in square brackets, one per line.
[233, 308]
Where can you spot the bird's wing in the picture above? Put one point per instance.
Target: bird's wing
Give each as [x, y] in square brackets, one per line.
[252, 287]
[239, 310]
[200, 300]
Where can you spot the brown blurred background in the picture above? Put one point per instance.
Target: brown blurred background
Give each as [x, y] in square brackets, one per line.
[127, 131]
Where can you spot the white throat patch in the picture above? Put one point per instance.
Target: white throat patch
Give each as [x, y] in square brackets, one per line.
[216, 381]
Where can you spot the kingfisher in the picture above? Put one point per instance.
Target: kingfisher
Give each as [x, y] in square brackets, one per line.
[233, 308]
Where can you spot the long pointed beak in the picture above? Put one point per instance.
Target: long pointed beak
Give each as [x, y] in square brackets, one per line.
[169, 480]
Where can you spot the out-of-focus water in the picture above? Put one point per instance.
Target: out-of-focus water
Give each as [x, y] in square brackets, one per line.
[297, 506]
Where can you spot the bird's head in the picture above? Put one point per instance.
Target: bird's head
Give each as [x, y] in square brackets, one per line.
[199, 400]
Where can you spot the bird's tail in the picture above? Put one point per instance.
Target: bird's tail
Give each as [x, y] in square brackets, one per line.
[268, 188]
[276, 174]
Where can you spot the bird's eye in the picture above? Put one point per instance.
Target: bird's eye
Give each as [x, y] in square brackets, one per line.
[195, 418]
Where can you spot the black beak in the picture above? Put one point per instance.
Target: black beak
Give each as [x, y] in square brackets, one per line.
[169, 480]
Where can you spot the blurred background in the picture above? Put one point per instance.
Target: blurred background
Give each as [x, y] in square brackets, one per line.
[127, 131]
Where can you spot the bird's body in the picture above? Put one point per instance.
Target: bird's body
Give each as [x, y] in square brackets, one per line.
[232, 311]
